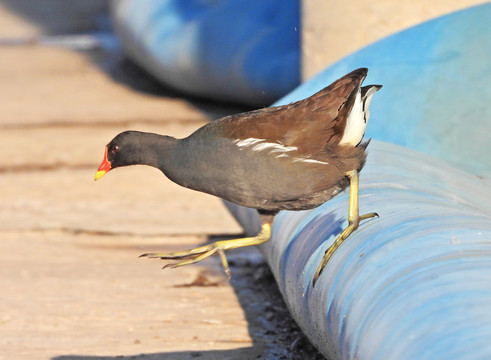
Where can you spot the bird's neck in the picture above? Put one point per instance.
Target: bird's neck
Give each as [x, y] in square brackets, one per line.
[157, 149]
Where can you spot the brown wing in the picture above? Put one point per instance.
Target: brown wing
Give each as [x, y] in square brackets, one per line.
[310, 124]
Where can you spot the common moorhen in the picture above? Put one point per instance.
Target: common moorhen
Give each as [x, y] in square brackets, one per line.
[291, 157]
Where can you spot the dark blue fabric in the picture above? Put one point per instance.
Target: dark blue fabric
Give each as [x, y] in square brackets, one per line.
[236, 50]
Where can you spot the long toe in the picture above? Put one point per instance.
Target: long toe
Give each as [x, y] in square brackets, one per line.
[168, 256]
[193, 260]
[369, 215]
[180, 254]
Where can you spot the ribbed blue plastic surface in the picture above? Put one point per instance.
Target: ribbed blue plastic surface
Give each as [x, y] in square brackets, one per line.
[412, 284]
[416, 282]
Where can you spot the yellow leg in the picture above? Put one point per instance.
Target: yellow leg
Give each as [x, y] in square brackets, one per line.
[197, 254]
[353, 222]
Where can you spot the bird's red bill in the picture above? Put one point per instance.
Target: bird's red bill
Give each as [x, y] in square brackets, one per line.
[104, 167]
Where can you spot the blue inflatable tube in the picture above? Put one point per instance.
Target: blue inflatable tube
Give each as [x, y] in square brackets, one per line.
[416, 282]
[243, 51]
[412, 284]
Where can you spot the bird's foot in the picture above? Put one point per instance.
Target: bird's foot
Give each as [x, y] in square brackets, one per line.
[352, 226]
[195, 255]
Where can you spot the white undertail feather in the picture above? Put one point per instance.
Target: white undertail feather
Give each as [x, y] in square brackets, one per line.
[357, 120]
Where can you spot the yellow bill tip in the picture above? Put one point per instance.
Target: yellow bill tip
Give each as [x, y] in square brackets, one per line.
[99, 174]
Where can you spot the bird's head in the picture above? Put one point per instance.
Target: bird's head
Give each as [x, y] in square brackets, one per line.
[121, 151]
[133, 148]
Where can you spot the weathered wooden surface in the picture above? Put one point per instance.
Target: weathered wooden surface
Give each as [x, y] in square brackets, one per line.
[71, 283]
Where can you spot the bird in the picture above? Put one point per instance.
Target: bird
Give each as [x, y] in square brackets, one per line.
[290, 157]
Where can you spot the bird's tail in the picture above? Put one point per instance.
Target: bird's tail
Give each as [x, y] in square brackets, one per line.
[357, 120]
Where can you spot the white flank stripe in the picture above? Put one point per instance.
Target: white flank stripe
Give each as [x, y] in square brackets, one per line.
[310, 161]
[247, 142]
[260, 145]
[282, 148]
[274, 147]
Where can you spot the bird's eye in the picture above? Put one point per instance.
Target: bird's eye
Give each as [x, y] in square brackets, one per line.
[115, 149]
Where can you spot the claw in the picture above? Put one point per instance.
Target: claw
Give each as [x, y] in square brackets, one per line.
[369, 215]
